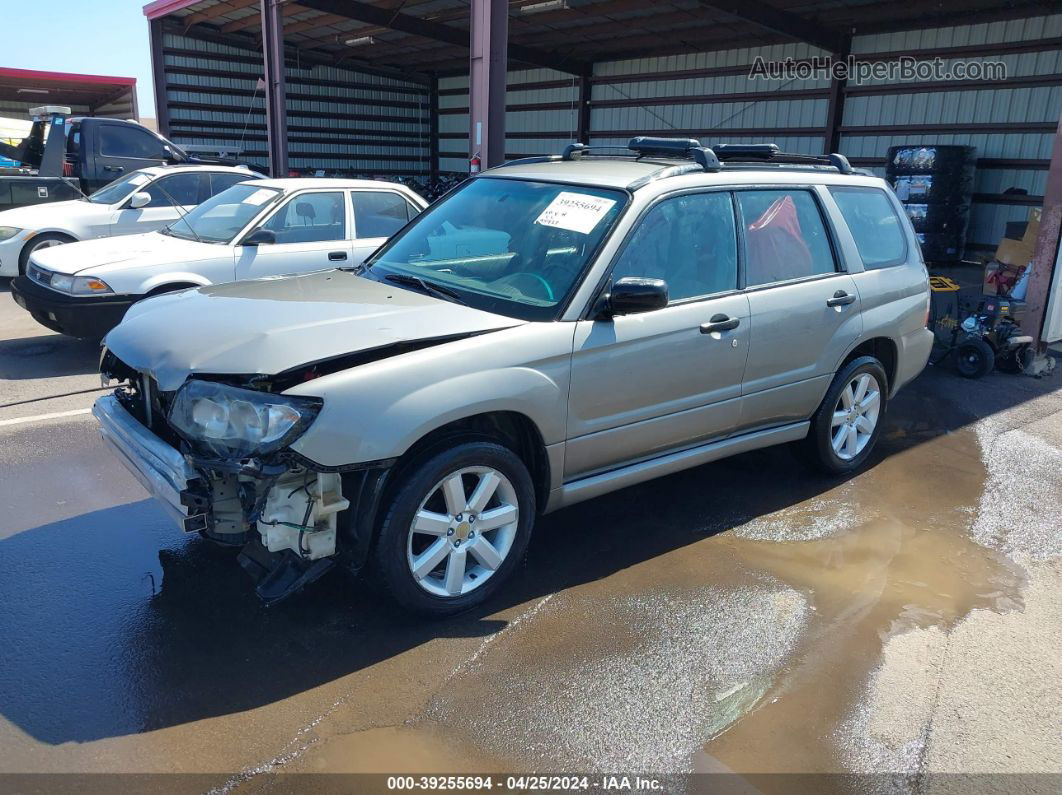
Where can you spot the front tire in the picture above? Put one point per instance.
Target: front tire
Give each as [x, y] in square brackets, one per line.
[47, 240]
[846, 427]
[455, 528]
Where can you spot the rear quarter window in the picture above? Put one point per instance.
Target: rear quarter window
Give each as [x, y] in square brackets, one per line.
[874, 224]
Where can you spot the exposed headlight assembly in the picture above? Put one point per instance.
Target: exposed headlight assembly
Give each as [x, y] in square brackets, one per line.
[8, 232]
[227, 422]
[79, 285]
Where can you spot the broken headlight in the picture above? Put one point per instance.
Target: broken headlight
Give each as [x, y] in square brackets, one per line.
[228, 422]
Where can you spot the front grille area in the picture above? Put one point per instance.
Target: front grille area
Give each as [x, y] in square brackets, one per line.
[38, 274]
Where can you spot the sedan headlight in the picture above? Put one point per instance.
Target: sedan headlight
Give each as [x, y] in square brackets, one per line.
[8, 232]
[79, 285]
[228, 422]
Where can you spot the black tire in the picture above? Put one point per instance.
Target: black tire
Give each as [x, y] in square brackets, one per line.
[818, 445]
[1013, 361]
[414, 485]
[974, 358]
[37, 242]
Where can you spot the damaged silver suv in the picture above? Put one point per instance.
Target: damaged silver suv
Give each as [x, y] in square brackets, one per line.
[552, 330]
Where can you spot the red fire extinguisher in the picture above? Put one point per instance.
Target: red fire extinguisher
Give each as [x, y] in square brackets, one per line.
[474, 164]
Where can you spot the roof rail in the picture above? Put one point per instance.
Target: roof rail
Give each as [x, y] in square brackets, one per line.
[757, 153]
[648, 146]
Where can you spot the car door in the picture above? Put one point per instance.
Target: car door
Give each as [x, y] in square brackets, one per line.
[646, 384]
[805, 308]
[171, 196]
[311, 234]
[378, 214]
[121, 148]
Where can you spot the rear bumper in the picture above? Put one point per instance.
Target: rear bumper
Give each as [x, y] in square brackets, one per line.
[913, 355]
[88, 316]
[161, 469]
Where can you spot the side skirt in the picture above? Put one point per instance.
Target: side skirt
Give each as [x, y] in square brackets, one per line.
[595, 485]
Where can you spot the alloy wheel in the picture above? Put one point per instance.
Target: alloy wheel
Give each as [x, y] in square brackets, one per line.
[463, 531]
[855, 416]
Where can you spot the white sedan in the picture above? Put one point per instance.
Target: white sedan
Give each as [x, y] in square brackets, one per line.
[142, 201]
[262, 228]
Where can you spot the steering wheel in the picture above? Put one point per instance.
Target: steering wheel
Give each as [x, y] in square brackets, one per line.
[539, 281]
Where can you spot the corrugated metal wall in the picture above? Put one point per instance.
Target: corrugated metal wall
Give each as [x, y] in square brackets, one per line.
[340, 120]
[709, 96]
[1011, 126]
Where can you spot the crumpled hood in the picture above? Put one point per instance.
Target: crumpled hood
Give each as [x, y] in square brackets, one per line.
[51, 215]
[268, 326]
[109, 254]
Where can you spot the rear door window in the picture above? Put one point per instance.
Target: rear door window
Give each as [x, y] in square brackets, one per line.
[379, 213]
[785, 236]
[874, 224]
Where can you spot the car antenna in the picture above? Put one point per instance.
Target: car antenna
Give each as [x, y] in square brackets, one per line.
[179, 209]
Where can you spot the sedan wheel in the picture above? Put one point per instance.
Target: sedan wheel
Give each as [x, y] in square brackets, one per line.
[855, 416]
[463, 531]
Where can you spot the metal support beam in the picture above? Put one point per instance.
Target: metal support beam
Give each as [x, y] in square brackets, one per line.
[835, 108]
[583, 124]
[489, 35]
[1045, 257]
[158, 70]
[275, 92]
[433, 130]
[782, 22]
[437, 31]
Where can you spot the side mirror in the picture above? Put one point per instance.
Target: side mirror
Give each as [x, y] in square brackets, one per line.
[632, 294]
[260, 237]
[140, 199]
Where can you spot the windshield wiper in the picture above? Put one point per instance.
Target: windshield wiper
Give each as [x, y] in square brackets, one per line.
[436, 290]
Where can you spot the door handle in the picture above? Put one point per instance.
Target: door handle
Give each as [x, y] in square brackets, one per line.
[337, 256]
[119, 169]
[840, 298]
[720, 323]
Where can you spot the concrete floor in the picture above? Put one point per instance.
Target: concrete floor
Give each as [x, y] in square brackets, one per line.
[745, 616]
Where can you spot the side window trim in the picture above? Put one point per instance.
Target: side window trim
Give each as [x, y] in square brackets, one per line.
[839, 267]
[606, 279]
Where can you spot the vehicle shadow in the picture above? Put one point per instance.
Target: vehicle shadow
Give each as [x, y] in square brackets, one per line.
[106, 635]
[47, 356]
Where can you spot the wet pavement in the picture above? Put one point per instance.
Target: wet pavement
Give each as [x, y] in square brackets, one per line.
[747, 615]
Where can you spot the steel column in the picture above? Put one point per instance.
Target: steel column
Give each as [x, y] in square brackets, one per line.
[1047, 244]
[585, 87]
[276, 91]
[835, 108]
[158, 71]
[433, 130]
[489, 40]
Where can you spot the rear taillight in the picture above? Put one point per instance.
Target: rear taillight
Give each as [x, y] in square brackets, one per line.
[68, 169]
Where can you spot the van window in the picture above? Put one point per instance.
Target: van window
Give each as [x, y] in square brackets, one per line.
[877, 230]
[785, 237]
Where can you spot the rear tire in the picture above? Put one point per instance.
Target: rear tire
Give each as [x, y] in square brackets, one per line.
[431, 553]
[974, 358]
[38, 242]
[848, 422]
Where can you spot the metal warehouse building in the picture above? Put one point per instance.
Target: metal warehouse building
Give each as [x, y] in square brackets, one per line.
[382, 88]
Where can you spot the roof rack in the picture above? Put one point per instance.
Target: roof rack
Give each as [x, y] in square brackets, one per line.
[705, 158]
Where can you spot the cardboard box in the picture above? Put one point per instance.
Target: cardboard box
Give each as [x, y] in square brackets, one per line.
[1020, 252]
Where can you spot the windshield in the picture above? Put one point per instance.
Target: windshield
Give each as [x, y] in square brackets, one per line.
[220, 218]
[116, 191]
[513, 247]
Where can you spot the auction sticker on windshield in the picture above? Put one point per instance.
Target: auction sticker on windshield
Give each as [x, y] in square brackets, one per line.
[576, 212]
[260, 196]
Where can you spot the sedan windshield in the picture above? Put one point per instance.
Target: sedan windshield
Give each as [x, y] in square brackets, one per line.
[220, 218]
[116, 191]
[513, 247]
